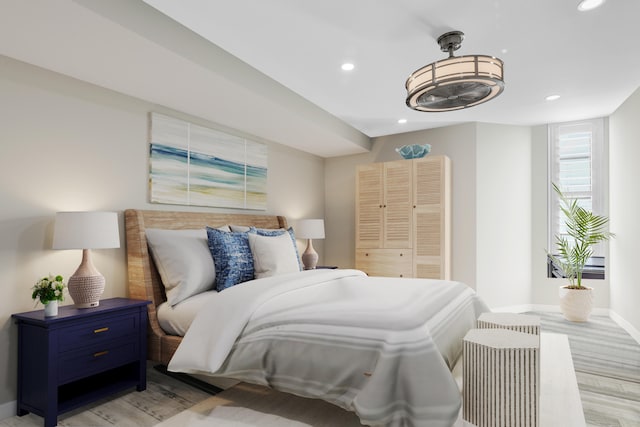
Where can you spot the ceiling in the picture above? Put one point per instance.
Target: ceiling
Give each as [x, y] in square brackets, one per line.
[591, 59]
[272, 68]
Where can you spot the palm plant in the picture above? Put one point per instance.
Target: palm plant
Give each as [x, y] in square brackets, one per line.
[585, 230]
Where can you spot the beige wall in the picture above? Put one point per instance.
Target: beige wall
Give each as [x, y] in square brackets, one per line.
[68, 145]
[624, 197]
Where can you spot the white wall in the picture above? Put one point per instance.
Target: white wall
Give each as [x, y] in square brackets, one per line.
[69, 145]
[624, 202]
[503, 214]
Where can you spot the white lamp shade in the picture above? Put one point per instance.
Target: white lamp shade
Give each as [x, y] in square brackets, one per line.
[86, 230]
[310, 229]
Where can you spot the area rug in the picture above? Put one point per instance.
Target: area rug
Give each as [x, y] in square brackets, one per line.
[607, 364]
[247, 405]
[598, 346]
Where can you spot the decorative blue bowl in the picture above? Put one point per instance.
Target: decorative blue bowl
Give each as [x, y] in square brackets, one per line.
[414, 151]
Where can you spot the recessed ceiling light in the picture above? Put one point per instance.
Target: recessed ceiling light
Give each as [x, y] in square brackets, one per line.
[347, 66]
[585, 5]
[402, 121]
[552, 97]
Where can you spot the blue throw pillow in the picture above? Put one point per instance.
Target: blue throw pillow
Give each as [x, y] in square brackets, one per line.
[277, 232]
[232, 257]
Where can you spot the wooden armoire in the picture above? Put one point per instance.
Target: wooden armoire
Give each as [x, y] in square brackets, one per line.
[403, 218]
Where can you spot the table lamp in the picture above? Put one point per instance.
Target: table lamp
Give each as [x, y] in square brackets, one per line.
[310, 229]
[86, 231]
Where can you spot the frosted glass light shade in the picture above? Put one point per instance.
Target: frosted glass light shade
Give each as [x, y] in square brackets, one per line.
[310, 229]
[86, 230]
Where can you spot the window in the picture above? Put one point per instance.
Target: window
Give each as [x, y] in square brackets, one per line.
[577, 163]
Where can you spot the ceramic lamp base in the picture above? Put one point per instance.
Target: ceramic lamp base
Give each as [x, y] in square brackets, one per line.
[86, 290]
[310, 257]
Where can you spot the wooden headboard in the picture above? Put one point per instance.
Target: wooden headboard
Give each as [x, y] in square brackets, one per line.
[144, 280]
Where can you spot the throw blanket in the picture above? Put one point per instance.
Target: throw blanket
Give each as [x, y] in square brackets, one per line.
[381, 347]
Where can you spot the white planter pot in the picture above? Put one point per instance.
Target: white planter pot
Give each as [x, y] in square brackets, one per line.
[576, 304]
[51, 309]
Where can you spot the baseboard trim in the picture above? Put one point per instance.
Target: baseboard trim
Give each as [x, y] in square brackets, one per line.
[8, 410]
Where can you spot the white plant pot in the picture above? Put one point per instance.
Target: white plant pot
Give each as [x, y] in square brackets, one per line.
[51, 309]
[576, 304]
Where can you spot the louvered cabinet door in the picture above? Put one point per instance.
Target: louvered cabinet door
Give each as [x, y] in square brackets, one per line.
[432, 217]
[369, 206]
[397, 207]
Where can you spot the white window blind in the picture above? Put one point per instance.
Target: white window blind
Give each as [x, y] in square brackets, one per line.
[577, 164]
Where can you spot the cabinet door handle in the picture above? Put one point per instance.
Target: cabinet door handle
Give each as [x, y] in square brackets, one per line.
[97, 331]
[101, 353]
[401, 275]
[366, 254]
[401, 254]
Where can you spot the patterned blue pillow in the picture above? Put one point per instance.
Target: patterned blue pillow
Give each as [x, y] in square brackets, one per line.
[232, 257]
[277, 232]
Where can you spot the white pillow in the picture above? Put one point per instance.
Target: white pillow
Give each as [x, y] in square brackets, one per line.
[183, 260]
[273, 255]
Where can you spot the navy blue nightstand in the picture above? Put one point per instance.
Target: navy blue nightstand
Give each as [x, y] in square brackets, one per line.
[80, 355]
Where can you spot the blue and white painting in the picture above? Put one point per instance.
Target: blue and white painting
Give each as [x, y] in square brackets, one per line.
[195, 165]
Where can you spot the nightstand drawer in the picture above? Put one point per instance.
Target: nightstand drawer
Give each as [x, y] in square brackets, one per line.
[98, 331]
[97, 358]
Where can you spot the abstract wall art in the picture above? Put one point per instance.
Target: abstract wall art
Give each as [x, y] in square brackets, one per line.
[198, 166]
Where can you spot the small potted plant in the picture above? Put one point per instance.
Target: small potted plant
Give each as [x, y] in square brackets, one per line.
[49, 290]
[585, 230]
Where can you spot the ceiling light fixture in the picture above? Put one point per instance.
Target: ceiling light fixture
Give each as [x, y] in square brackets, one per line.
[552, 97]
[586, 5]
[456, 82]
[402, 121]
[348, 66]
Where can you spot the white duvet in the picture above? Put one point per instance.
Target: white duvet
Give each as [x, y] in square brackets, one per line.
[380, 347]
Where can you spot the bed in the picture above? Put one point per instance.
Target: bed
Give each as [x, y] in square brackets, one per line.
[144, 279]
[381, 347]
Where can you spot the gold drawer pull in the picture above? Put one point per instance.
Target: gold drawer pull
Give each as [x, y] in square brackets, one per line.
[97, 331]
[100, 353]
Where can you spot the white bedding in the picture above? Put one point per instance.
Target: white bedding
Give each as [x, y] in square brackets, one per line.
[380, 347]
[177, 319]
